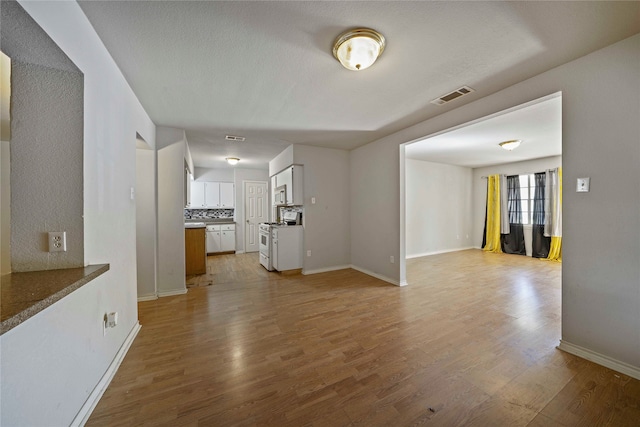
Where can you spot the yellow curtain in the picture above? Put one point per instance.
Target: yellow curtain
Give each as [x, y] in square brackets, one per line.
[493, 215]
[555, 251]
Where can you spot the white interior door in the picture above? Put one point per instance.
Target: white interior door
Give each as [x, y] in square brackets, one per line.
[255, 212]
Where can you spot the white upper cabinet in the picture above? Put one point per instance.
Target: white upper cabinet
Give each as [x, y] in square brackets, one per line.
[227, 195]
[291, 179]
[212, 195]
[197, 195]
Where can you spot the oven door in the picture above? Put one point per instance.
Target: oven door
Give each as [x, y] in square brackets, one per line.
[265, 245]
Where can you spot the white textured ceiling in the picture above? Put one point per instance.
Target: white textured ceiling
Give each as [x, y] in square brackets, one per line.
[538, 125]
[264, 69]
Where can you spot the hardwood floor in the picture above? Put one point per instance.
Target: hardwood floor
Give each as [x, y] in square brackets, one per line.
[471, 341]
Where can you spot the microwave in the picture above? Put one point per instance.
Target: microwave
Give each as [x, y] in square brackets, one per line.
[280, 195]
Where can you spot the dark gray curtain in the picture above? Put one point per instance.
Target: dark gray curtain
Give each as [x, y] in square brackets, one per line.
[539, 243]
[513, 243]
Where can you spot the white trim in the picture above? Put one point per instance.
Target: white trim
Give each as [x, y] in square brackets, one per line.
[240, 252]
[600, 359]
[90, 404]
[172, 293]
[378, 276]
[326, 270]
[151, 297]
[439, 252]
[361, 270]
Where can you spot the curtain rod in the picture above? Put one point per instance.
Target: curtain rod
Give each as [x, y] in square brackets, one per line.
[529, 173]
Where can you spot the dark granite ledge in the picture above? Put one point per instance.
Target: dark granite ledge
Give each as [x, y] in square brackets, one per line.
[23, 295]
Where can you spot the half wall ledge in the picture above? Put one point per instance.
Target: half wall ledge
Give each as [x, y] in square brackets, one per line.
[23, 295]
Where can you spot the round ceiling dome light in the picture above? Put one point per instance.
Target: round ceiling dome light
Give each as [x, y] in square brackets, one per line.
[510, 145]
[358, 49]
[232, 160]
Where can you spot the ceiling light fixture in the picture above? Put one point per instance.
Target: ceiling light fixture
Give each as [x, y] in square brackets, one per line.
[358, 49]
[510, 145]
[233, 160]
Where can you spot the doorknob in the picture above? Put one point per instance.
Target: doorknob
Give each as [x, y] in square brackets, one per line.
[247, 221]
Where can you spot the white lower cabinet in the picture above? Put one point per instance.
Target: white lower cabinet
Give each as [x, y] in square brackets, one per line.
[228, 238]
[221, 238]
[286, 244]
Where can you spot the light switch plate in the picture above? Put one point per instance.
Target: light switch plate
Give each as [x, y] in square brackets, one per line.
[582, 185]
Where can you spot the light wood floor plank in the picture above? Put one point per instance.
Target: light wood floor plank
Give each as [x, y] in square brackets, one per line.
[471, 341]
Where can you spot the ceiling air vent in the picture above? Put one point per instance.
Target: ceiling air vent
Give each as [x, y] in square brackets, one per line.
[234, 138]
[453, 95]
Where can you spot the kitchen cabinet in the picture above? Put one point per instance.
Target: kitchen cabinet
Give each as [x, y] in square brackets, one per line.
[228, 238]
[188, 179]
[286, 244]
[227, 195]
[195, 251]
[212, 195]
[221, 238]
[197, 195]
[291, 179]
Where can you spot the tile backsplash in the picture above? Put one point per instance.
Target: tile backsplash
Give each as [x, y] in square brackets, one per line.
[207, 213]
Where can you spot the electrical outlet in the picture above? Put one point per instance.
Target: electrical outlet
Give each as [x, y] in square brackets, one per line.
[309, 252]
[392, 259]
[112, 319]
[57, 241]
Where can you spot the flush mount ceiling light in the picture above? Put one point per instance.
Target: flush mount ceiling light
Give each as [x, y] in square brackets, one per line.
[358, 49]
[233, 160]
[510, 145]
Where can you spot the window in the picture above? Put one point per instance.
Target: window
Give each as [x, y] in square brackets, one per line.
[527, 194]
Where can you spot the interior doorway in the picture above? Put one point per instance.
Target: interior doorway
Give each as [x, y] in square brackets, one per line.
[445, 173]
[255, 212]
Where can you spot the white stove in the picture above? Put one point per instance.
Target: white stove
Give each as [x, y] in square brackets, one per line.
[264, 234]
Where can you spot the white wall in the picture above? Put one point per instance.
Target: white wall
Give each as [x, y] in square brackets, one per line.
[375, 208]
[281, 161]
[216, 175]
[326, 223]
[52, 363]
[5, 171]
[480, 186]
[438, 208]
[240, 176]
[5, 213]
[46, 166]
[601, 271]
[171, 149]
[146, 222]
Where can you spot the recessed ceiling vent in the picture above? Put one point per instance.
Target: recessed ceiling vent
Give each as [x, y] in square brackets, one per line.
[234, 138]
[453, 95]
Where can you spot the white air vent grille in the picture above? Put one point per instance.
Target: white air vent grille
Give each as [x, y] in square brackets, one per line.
[453, 95]
[234, 138]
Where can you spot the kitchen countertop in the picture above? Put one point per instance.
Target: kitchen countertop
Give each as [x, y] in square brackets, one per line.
[194, 225]
[208, 221]
[24, 295]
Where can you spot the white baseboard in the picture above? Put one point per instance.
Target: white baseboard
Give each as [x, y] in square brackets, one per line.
[90, 404]
[361, 270]
[378, 276]
[239, 252]
[172, 293]
[438, 252]
[326, 270]
[151, 297]
[600, 359]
